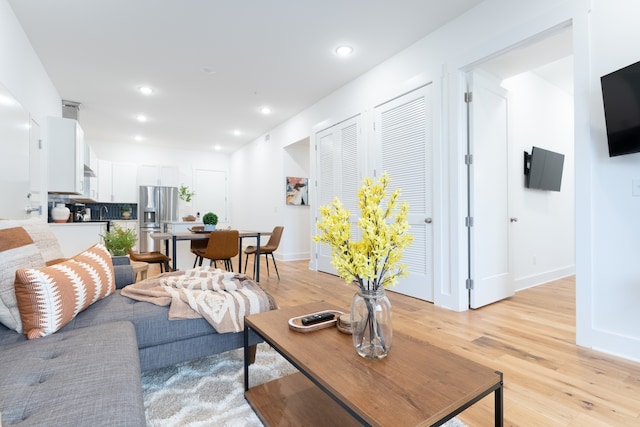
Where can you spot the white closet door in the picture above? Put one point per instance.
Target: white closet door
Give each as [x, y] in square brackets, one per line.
[403, 132]
[339, 175]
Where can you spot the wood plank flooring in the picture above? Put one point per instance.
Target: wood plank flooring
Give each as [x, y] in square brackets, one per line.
[549, 381]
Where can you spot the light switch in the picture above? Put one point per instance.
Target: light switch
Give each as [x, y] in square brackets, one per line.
[635, 187]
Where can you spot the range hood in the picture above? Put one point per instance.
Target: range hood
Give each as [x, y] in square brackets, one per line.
[89, 172]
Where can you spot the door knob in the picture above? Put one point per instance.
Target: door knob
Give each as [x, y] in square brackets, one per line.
[514, 219]
[428, 220]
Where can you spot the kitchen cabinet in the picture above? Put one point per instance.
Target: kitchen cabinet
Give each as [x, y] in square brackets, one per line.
[105, 183]
[117, 182]
[166, 176]
[90, 173]
[66, 156]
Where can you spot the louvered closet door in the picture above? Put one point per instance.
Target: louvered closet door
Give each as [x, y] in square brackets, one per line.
[403, 129]
[339, 175]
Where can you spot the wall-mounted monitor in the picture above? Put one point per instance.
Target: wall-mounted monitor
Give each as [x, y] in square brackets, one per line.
[543, 169]
[621, 97]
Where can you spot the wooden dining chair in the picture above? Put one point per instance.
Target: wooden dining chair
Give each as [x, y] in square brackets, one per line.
[198, 245]
[222, 246]
[154, 257]
[268, 249]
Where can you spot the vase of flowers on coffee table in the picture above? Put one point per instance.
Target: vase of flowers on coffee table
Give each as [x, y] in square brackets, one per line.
[372, 263]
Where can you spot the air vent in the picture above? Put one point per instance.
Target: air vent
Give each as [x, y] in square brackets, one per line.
[71, 110]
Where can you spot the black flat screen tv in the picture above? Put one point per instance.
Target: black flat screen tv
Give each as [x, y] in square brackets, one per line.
[621, 98]
[543, 169]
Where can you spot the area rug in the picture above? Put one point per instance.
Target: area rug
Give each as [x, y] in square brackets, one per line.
[209, 392]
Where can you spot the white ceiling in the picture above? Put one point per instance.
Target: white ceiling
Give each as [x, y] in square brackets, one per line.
[213, 63]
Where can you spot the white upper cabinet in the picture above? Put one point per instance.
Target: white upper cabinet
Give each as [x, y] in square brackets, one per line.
[66, 156]
[105, 181]
[166, 176]
[117, 182]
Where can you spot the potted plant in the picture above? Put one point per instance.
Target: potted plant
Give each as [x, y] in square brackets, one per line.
[186, 195]
[210, 220]
[126, 211]
[119, 241]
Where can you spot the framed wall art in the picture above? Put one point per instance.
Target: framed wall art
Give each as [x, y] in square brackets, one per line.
[297, 190]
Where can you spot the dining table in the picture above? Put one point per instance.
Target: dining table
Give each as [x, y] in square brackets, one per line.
[204, 235]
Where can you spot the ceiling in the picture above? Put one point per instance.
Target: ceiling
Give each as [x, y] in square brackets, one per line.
[213, 63]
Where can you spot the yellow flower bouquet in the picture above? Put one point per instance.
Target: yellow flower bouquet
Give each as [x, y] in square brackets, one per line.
[373, 262]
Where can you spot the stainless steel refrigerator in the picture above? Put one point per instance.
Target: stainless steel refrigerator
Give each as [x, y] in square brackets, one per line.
[157, 206]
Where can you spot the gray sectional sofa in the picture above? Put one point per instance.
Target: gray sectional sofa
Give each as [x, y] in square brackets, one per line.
[88, 373]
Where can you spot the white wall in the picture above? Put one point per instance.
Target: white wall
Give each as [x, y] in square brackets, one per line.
[23, 75]
[297, 219]
[540, 114]
[608, 234]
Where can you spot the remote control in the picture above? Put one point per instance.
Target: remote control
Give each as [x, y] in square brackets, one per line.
[317, 318]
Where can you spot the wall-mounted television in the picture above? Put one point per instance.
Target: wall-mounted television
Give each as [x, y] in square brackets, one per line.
[621, 98]
[543, 169]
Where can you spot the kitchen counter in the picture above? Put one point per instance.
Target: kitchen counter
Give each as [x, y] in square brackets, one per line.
[79, 223]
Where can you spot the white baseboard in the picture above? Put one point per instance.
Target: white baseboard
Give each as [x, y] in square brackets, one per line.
[548, 276]
[292, 256]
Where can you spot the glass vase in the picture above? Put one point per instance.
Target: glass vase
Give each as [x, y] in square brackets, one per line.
[371, 323]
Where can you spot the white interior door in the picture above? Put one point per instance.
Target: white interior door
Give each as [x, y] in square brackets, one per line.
[490, 263]
[403, 132]
[338, 175]
[210, 187]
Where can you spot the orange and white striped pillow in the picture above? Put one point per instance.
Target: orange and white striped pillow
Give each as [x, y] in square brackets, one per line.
[24, 243]
[50, 297]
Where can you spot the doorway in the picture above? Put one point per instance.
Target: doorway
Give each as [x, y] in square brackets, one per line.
[519, 237]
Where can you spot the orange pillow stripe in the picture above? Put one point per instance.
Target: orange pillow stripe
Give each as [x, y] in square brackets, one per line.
[50, 297]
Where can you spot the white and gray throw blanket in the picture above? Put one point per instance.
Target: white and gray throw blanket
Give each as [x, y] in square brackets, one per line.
[222, 298]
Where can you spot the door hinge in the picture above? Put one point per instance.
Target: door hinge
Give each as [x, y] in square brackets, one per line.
[39, 144]
[468, 159]
[468, 97]
[468, 221]
[469, 284]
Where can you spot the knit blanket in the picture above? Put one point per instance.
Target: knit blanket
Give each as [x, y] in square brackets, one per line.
[220, 297]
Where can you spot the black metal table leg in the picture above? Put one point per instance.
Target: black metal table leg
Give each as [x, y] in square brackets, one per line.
[246, 357]
[499, 403]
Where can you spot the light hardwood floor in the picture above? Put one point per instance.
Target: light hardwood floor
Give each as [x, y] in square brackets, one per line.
[549, 380]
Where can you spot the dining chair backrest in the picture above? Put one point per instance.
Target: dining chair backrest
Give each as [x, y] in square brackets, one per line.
[223, 244]
[274, 240]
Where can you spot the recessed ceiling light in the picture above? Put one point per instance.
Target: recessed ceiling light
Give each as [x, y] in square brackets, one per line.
[217, 147]
[265, 110]
[146, 90]
[141, 118]
[344, 50]
[237, 132]
[138, 138]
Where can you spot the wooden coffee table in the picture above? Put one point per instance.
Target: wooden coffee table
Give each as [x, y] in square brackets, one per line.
[416, 384]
